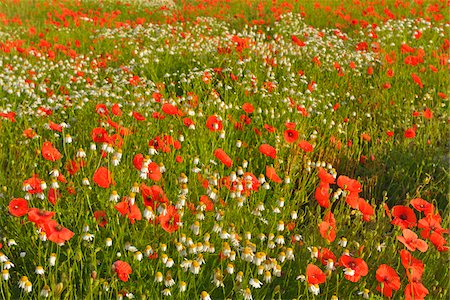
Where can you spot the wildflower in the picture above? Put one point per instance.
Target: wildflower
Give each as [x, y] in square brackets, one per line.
[49, 152]
[404, 217]
[182, 286]
[354, 269]
[39, 270]
[205, 296]
[247, 293]
[314, 288]
[5, 274]
[239, 276]
[170, 220]
[223, 157]
[57, 233]
[45, 292]
[122, 269]
[389, 280]
[52, 259]
[108, 242]
[103, 177]
[114, 196]
[268, 150]
[23, 280]
[159, 277]
[167, 292]
[18, 207]
[28, 287]
[255, 282]
[314, 275]
[195, 267]
[410, 240]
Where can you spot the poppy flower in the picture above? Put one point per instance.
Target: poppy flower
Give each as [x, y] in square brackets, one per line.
[410, 133]
[138, 116]
[99, 135]
[39, 216]
[438, 241]
[422, 205]
[415, 291]
[131, 211]
[115, 109]
[53, 195]
[54, 126]
[152, 194]
[9, 115]
[410, 240]
[306, 146]
[431, 223]
[366, 209]
[349, 184]
[322, 194]
[33, 184]
[18, 207]
[223, 157]
[209, 205]
[122, 269]
[327, 227]
[72, 167]
[354, 268]
[170, 109]
[154, 172]
[138, 160]
[404, 217]
[314, 275]
[49, 152]
[268, 150]
[269, 128]
[29, 133]
[411, 264]
[272, 174]
[103, 177]
[57, 233]
[389, 280]
[170, 219]
[248, 108]
[290, 135]
[427, 113]
[325, 176]
[101, 218]
[325, 255]
[214, 123]
[101, 109]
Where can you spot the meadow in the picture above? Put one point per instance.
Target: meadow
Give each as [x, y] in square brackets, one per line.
[205, 149]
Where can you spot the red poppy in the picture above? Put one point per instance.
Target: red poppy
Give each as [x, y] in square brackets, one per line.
[209, 205]
[349, 184]
[169, 109]
[306, 146]
[314, 275]
[327, 227]
[411, 264]
[99, 135]
[101, 217]
[268, 150]
[39, 216]
[9, 115]
[138, 116]
[170, 219]
[122, 269]
[415, 291]
[417, 80]
[103, 178]
[154, 172]
[269, 128]
[54, 126]
[29, 133]
[131, 211]
[248, 108]
[290, 135]
[53, 195]
[354, 269]
[421, 205]
[326, 255]
[325, 176]
[431, 223]
[18, 207]
[223, 157]
[49, 152]
[366, 209]
[404, 217]
[115, 109]
[33, 184]
[410, 240]
[389, 280]
[138, 160]
[101, 109]
[272, 174]
[410, 133]
[72, 167]
[57, 233]
[322, 194]
[152, 194]
[214, 123]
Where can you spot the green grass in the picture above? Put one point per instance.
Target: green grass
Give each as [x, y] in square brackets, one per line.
[174, 53]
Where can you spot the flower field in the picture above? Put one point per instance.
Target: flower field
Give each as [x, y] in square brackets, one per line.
[204, 149]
